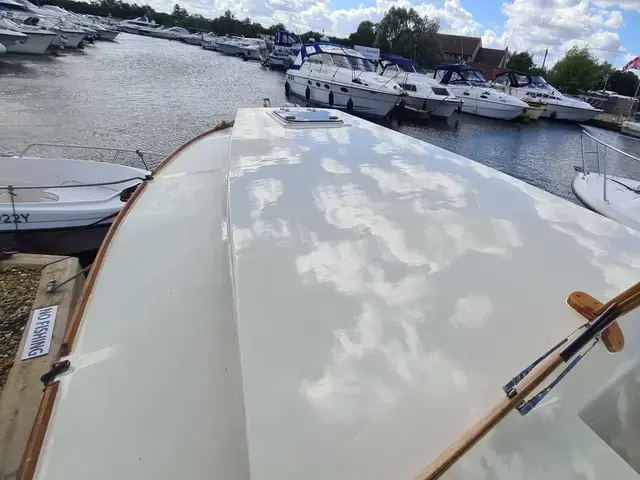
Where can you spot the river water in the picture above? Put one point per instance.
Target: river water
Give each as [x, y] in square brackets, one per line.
[153, 94]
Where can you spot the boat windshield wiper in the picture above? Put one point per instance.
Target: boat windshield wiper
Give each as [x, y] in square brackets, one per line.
[602, 326]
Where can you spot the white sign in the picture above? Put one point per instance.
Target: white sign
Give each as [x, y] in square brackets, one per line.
[40, 332]
[371, 53]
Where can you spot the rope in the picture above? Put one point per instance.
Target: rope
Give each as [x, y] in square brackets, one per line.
[78, 185]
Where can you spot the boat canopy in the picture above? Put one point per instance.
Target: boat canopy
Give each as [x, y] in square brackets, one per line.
[285, 39]
[460, 73]
[317, 48]
[405, 64]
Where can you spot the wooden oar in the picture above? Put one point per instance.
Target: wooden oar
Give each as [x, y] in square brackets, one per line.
[608, 313]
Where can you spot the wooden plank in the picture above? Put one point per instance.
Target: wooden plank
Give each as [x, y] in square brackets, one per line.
[590, 308]
[23, 391]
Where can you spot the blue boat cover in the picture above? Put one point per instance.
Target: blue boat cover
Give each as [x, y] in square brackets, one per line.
[401, 61]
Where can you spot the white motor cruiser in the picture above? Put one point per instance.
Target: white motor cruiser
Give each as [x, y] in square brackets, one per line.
[308, 295]
[171, 33]
[253, 49]
[229, 45]
[61, 206]
[37, 42]
[425, 96]
[70, 37]
[139, 26]
[340, 77]
[285, 50]
[556, 105]
[468, 84]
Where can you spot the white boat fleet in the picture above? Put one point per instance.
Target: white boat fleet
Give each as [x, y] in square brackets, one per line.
[39, 30]
[341, 300]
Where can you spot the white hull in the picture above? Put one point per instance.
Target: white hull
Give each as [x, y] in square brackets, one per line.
[568, 113]
[228, 49]
[55, 205]
[73, 39]
[365, 102]
[490, 109]
[192, 40]
[622, 203]
[251, 54]
[35, 44]
[108, 35]
[434, 107]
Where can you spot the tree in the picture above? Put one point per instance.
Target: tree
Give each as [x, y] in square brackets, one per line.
[364, 35]
[577, 71]
[406, 33]
[520, 62]
[179, 14]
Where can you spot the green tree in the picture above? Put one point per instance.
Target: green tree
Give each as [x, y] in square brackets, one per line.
[520, 62]
[405, 32]
[577, 71]
[179, 14]
[364, 35]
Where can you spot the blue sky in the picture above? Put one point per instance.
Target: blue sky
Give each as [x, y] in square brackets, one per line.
[611, 28]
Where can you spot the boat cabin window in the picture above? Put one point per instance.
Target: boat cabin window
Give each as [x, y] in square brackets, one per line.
[439, 75]
[361, 64]
[522, 80]
[541, 83]
[457, 79]
[341, 61]
[502, 80]
[475, 78]
[321, 59]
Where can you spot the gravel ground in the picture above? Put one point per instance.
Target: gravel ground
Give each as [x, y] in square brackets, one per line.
[18, 287]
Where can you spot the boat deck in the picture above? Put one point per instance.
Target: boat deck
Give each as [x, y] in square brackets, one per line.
[339, 302]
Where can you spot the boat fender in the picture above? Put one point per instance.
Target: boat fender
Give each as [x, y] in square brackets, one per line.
[350, 106]
[459, 108]
[307, 93]
[553, 114]
[424, 105]
[331, 99]
[287, 88]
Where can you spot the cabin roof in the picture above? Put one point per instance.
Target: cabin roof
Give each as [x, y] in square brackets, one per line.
[334, 300]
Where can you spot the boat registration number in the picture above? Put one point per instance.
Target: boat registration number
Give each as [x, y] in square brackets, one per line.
[14, 218]
[290, 77]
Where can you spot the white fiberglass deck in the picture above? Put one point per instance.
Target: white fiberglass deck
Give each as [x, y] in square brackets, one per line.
[356, 302]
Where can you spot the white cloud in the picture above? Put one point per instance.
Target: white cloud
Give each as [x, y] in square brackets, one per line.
[557, 25]
[533, 25]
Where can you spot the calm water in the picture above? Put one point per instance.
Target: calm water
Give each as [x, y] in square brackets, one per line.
[154, 94]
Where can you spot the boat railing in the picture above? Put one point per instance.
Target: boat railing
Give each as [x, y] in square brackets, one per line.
[105, 154]
[601, 155]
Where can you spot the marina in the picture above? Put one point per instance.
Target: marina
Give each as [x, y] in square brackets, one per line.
[321, 251]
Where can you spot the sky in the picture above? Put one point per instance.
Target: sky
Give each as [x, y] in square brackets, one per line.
[611, 28]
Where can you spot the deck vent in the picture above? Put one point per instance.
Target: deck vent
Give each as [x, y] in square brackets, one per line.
[306, 116]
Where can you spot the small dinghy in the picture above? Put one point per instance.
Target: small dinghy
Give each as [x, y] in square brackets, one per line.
[615, 197]
[61, 206]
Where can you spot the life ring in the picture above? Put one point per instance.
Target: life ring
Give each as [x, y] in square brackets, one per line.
[350, 106]
[331, 99]
[307, 93]
[287, 88]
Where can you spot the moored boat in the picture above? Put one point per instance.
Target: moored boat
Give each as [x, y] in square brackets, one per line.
[61, 206]
[37, 42]
[468, 83]
[340, 77]
[331, 278]
[425, 96]
[613, 196]
[556, 105]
